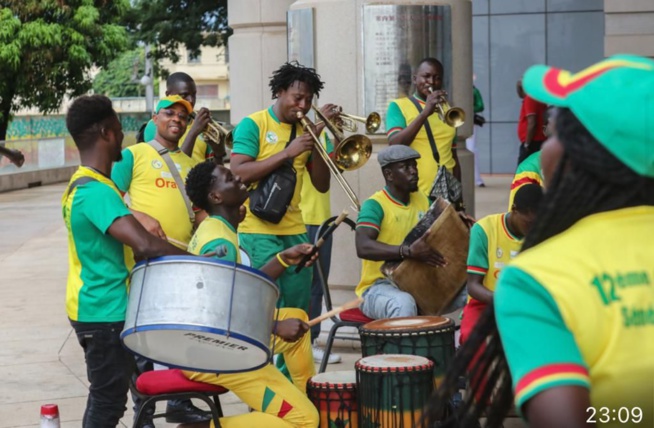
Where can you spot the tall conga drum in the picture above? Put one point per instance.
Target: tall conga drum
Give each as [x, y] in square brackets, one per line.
[334, 395]
[430, 337]
[392, 390]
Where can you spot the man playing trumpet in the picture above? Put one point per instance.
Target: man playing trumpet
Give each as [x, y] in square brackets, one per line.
[406, 124]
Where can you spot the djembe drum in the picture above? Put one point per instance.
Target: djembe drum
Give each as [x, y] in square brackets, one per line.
[334, 395]
[392, 390]
[430, 337]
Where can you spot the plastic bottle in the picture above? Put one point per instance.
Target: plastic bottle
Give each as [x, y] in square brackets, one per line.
[50, 416]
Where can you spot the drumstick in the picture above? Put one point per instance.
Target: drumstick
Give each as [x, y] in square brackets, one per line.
[337, 310]
[322, 240]
[177, 242]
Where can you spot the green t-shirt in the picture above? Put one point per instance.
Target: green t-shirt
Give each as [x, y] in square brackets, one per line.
[97, 283]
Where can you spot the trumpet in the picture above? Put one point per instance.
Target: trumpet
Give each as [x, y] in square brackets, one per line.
[453, 116]
[216, 134]
[349, 154]
[348, 121]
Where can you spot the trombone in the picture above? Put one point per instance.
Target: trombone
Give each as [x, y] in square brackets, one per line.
[349, 153]
[453, 116]
[216, 133]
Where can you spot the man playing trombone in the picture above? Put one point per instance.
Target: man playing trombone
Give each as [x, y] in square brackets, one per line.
[408, 119]
[263, 142]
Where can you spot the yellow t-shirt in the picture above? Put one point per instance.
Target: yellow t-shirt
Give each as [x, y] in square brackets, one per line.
[260, 136]
[144, 175]
[315, 206]
[401, 112]
[216, 234]
[492, 247]
[393, 220]
[578, 310]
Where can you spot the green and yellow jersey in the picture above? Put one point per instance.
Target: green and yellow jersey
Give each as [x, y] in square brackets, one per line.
[144, 175]
[201, 150]
[97, 286]
[528, 172]
[216, 234]
[492, 247]
[260, 136]
[578, 310]
[393, 220]
[315, 206]
[401, 112]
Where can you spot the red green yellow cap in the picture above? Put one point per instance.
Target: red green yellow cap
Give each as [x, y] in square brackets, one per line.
[614, 99]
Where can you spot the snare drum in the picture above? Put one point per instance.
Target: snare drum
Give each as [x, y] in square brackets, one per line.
[200, 314]
[334, 395]
[393, 389]
[431, 337]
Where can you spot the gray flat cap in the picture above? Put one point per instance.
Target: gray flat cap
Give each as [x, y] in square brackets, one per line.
[396, 153]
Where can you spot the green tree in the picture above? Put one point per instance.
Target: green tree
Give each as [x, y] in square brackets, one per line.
[121, 78]
[48, 48]
[169, 24]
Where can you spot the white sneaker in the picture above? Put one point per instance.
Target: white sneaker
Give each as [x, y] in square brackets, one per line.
[319, 354]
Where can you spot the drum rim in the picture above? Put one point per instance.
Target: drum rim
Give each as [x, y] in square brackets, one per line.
[186, 327]
[204, 260]
[449, 322]
[328, 386]
[337, 385]
[423, 366]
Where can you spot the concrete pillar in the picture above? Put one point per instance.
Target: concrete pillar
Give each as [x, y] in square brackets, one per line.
[256, 49]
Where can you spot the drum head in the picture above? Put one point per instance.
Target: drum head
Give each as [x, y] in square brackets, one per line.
[408, 323]
[393, 363]
[343, 378]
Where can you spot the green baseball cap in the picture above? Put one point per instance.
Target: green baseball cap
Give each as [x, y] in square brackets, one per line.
[614, 99]
[171, 100]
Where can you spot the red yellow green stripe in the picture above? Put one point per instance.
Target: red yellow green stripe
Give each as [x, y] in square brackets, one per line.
[392, 199]
[524, 180]
[549, 376]
[394, 130]
[506, 229]
[368, 224]
[477, 270]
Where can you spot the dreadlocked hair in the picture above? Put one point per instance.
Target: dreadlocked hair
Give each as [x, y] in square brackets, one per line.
[596, 182]
[292, 72]
[481, 358]
[198, 183]
[588, 180]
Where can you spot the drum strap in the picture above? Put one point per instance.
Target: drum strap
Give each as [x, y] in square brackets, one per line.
[432, 143]
[165, 155]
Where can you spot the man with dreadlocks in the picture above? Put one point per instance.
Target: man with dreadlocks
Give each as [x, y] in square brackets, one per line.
[575, 310]
[261, 145]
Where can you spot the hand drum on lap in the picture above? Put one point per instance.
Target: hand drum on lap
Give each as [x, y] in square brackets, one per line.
[433, 288]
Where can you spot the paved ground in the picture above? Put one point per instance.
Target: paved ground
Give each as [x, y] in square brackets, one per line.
[40, 361]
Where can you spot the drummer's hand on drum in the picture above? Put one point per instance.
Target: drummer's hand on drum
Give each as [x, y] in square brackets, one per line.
[291, 330]
[294, 255]
[149, 223]
[421, 251]
[301, 144]
[468, 220]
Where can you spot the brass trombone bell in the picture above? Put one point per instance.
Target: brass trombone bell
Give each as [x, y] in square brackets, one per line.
[453, 116]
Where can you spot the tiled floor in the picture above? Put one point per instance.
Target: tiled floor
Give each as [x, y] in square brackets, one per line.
[40, 361]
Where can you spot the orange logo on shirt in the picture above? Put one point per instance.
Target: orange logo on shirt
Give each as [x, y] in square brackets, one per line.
[161, 183]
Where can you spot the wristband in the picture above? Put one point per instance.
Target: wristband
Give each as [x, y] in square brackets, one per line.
[281, 261]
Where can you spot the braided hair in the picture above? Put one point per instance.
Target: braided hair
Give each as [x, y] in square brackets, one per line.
[198, 182]
[292, 72]
[588, 180]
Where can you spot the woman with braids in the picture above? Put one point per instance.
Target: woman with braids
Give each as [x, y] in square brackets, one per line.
[571, 335]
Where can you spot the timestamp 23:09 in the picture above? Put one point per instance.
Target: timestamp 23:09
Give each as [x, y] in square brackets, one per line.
[622, 415]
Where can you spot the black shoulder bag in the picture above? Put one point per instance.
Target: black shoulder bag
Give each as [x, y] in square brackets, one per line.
[270, 199]
[445, 185]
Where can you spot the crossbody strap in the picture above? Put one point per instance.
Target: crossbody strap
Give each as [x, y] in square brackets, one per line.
[78, 182]
[165, 155]
[432, 143]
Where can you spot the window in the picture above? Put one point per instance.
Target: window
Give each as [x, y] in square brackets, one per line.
[207, 91]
